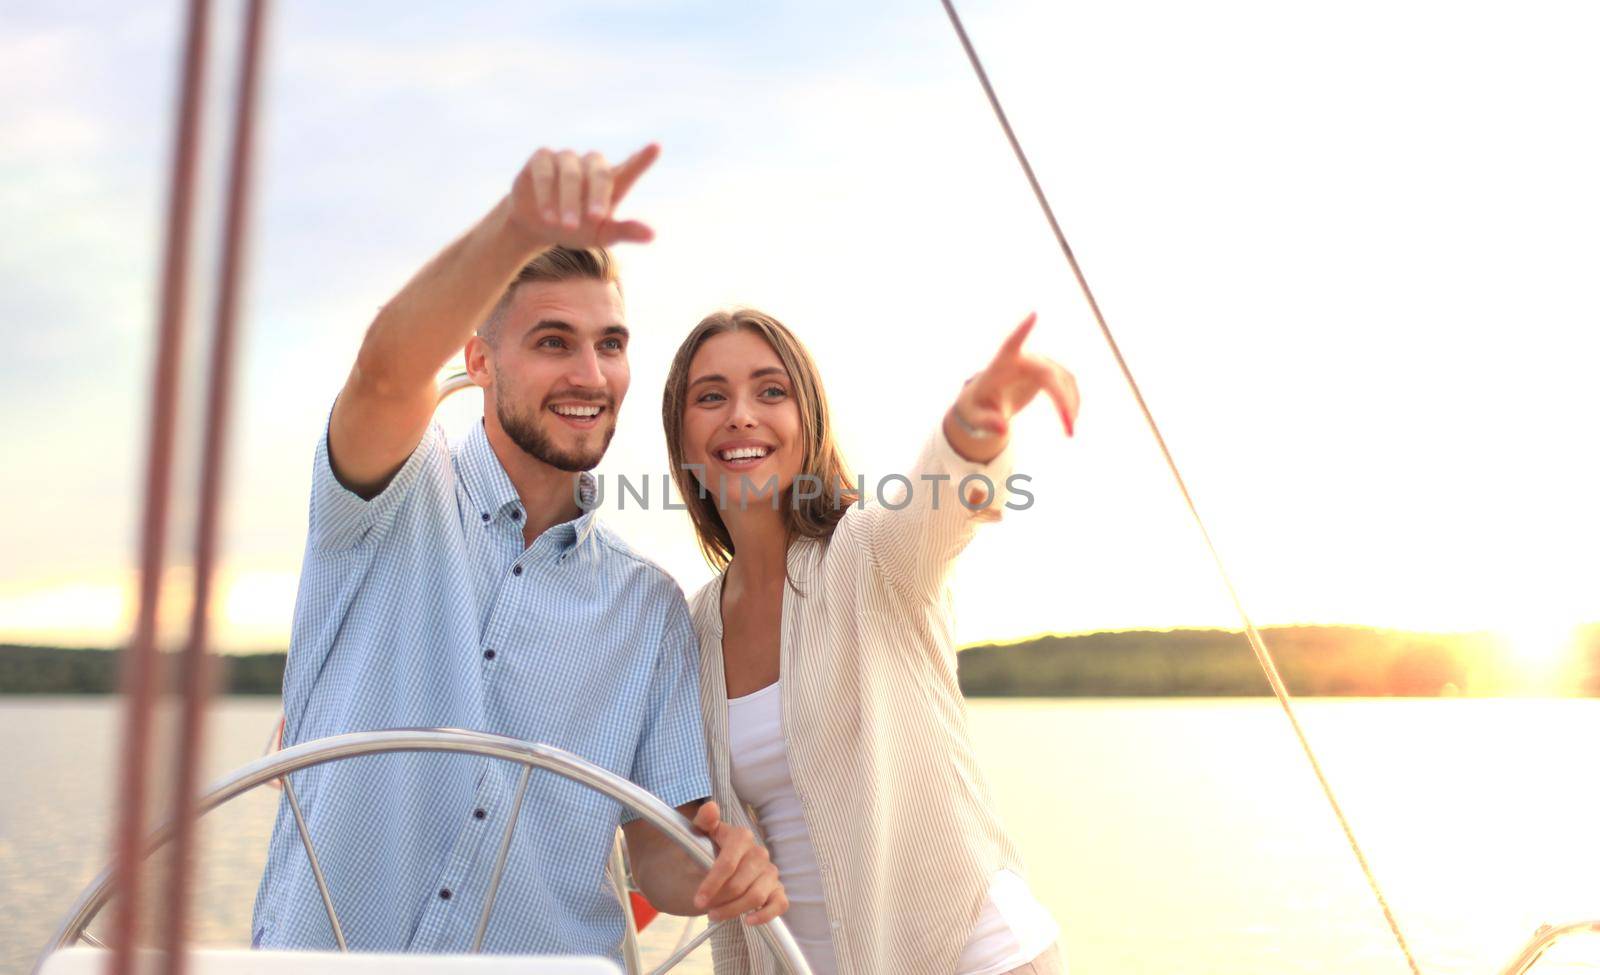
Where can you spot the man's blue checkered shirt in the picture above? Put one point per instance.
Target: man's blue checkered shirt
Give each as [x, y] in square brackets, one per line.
[422, 608]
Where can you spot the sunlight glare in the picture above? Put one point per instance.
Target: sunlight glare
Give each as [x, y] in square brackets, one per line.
[1539, 647]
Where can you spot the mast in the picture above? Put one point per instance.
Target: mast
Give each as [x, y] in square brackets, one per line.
[142, 665]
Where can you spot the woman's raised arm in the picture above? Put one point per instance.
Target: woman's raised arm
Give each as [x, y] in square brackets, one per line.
[917, 532]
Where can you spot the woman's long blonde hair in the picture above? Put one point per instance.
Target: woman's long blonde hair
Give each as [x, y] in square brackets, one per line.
[820, 455]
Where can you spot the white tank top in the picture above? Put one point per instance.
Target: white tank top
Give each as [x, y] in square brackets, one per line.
[1012, 929]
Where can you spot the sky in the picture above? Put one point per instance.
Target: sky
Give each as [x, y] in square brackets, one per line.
[1348, 250]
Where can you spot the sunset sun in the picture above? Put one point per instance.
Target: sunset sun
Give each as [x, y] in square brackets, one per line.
[1538, 646]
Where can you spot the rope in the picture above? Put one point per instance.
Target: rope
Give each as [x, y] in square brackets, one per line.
[1263, 656]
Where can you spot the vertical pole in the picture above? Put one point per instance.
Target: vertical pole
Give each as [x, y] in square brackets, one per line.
[140, 661]
[197, 664]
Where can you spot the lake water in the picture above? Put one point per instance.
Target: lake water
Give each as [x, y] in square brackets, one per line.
[1166, 836]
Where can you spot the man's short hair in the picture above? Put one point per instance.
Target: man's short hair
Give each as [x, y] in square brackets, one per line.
[554, 264]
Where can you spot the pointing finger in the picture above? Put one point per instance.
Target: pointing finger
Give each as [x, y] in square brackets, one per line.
[626, 174]
[1012, 346]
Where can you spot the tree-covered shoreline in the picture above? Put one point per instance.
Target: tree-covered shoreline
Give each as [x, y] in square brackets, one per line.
[1321, 661]
[62, 670]
[1314, 661]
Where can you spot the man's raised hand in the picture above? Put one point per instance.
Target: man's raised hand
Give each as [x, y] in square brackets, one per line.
[563, 199]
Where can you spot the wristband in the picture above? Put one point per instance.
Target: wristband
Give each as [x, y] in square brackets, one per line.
[961, 421]
[974, 432]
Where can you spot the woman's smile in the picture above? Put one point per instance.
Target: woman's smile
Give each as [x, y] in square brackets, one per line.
[742, 455]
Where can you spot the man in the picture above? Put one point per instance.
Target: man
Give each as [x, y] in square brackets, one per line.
[465, 586]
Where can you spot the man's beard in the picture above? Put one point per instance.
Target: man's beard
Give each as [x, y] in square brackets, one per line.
[525, 432]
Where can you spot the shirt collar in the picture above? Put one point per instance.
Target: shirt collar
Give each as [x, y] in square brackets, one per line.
[491, 491]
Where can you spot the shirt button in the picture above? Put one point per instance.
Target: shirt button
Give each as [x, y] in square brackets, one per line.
[444, 893]
[516, 515]
[516, 570]
[485, 516]
[488, 655]
[479, 813]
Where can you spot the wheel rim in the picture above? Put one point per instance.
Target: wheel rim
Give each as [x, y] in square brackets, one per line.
[269, 768]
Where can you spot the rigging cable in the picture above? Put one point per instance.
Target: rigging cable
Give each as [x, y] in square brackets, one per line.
[1263, 656]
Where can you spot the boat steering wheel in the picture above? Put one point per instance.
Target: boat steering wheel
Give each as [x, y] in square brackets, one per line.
[274, 768]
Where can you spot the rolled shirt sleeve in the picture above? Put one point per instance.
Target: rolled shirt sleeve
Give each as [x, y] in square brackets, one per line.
[341, 519]
[924, 518]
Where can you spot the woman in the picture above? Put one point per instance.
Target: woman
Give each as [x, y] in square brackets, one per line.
[828, 675]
